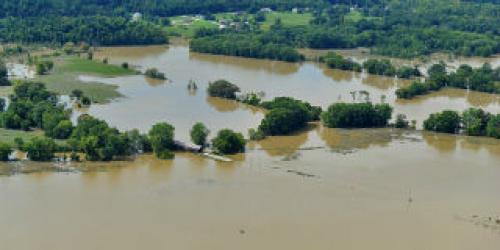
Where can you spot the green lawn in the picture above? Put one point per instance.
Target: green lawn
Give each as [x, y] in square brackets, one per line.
[188, 31]
[80, 65]
[287, 18]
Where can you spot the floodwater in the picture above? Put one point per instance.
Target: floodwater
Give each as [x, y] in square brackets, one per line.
[318, 189]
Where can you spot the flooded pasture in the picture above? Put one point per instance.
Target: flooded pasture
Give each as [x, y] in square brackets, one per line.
[318, 189]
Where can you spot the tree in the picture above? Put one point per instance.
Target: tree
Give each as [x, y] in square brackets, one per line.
[474, 121]
[223, 89]
[161, 137]
[229, 142]
[493, 126]
[41, 149]
[199, 134]
[51, 120]
[63, 130]
[445, 122]
[282, 121]
[5, 151]
[310, 113]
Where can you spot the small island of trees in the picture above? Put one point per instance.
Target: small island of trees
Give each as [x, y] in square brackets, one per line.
[472, 122]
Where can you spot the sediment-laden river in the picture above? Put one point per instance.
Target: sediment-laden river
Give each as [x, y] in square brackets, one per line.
[319, 189]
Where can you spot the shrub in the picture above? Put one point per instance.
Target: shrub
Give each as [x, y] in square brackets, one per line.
[229, 142]
[154, 73]
[256, 134]
[41, 149]
[401, 121]
[5, 151]
[165, 155]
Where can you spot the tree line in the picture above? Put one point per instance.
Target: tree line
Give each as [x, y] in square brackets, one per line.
[382, 67]
[96, 30]
[483, 79]
[244, 45]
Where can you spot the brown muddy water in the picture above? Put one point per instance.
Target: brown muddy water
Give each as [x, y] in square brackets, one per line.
[319, 189]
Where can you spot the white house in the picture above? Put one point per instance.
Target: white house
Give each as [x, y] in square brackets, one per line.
[136, 17]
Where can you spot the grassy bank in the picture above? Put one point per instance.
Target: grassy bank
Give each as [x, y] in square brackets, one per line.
[8, 135]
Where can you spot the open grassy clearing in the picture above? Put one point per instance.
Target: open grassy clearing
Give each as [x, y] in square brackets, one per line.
[287, 19]
[187, 30]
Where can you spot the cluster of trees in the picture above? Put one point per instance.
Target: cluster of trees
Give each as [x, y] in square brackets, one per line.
[223, 89]
[473, 122]
[99, 30]
[33, 106]
[336, 61]
[287, 115]
[357, 115]
[245, 45]
[382, 67]
[155, 74]
[484, 79]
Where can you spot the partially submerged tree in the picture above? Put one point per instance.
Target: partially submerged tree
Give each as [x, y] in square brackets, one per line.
[199, 134]
[229, 142]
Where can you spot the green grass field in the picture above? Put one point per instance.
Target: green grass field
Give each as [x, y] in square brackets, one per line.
[7, 135]
[287, 18]
[79, 65]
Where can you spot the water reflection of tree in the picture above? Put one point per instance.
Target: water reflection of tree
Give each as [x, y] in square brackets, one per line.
[442, 142]
[344, 140]
[154, 82]
[379, 82]
[285, 145]
[474, 98]
[339, 75]
[274, 67]
[225, 105]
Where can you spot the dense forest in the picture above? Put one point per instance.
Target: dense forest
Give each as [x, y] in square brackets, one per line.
[399, 28]
[394, 28]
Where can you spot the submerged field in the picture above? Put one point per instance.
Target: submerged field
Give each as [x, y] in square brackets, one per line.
[65, 77]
